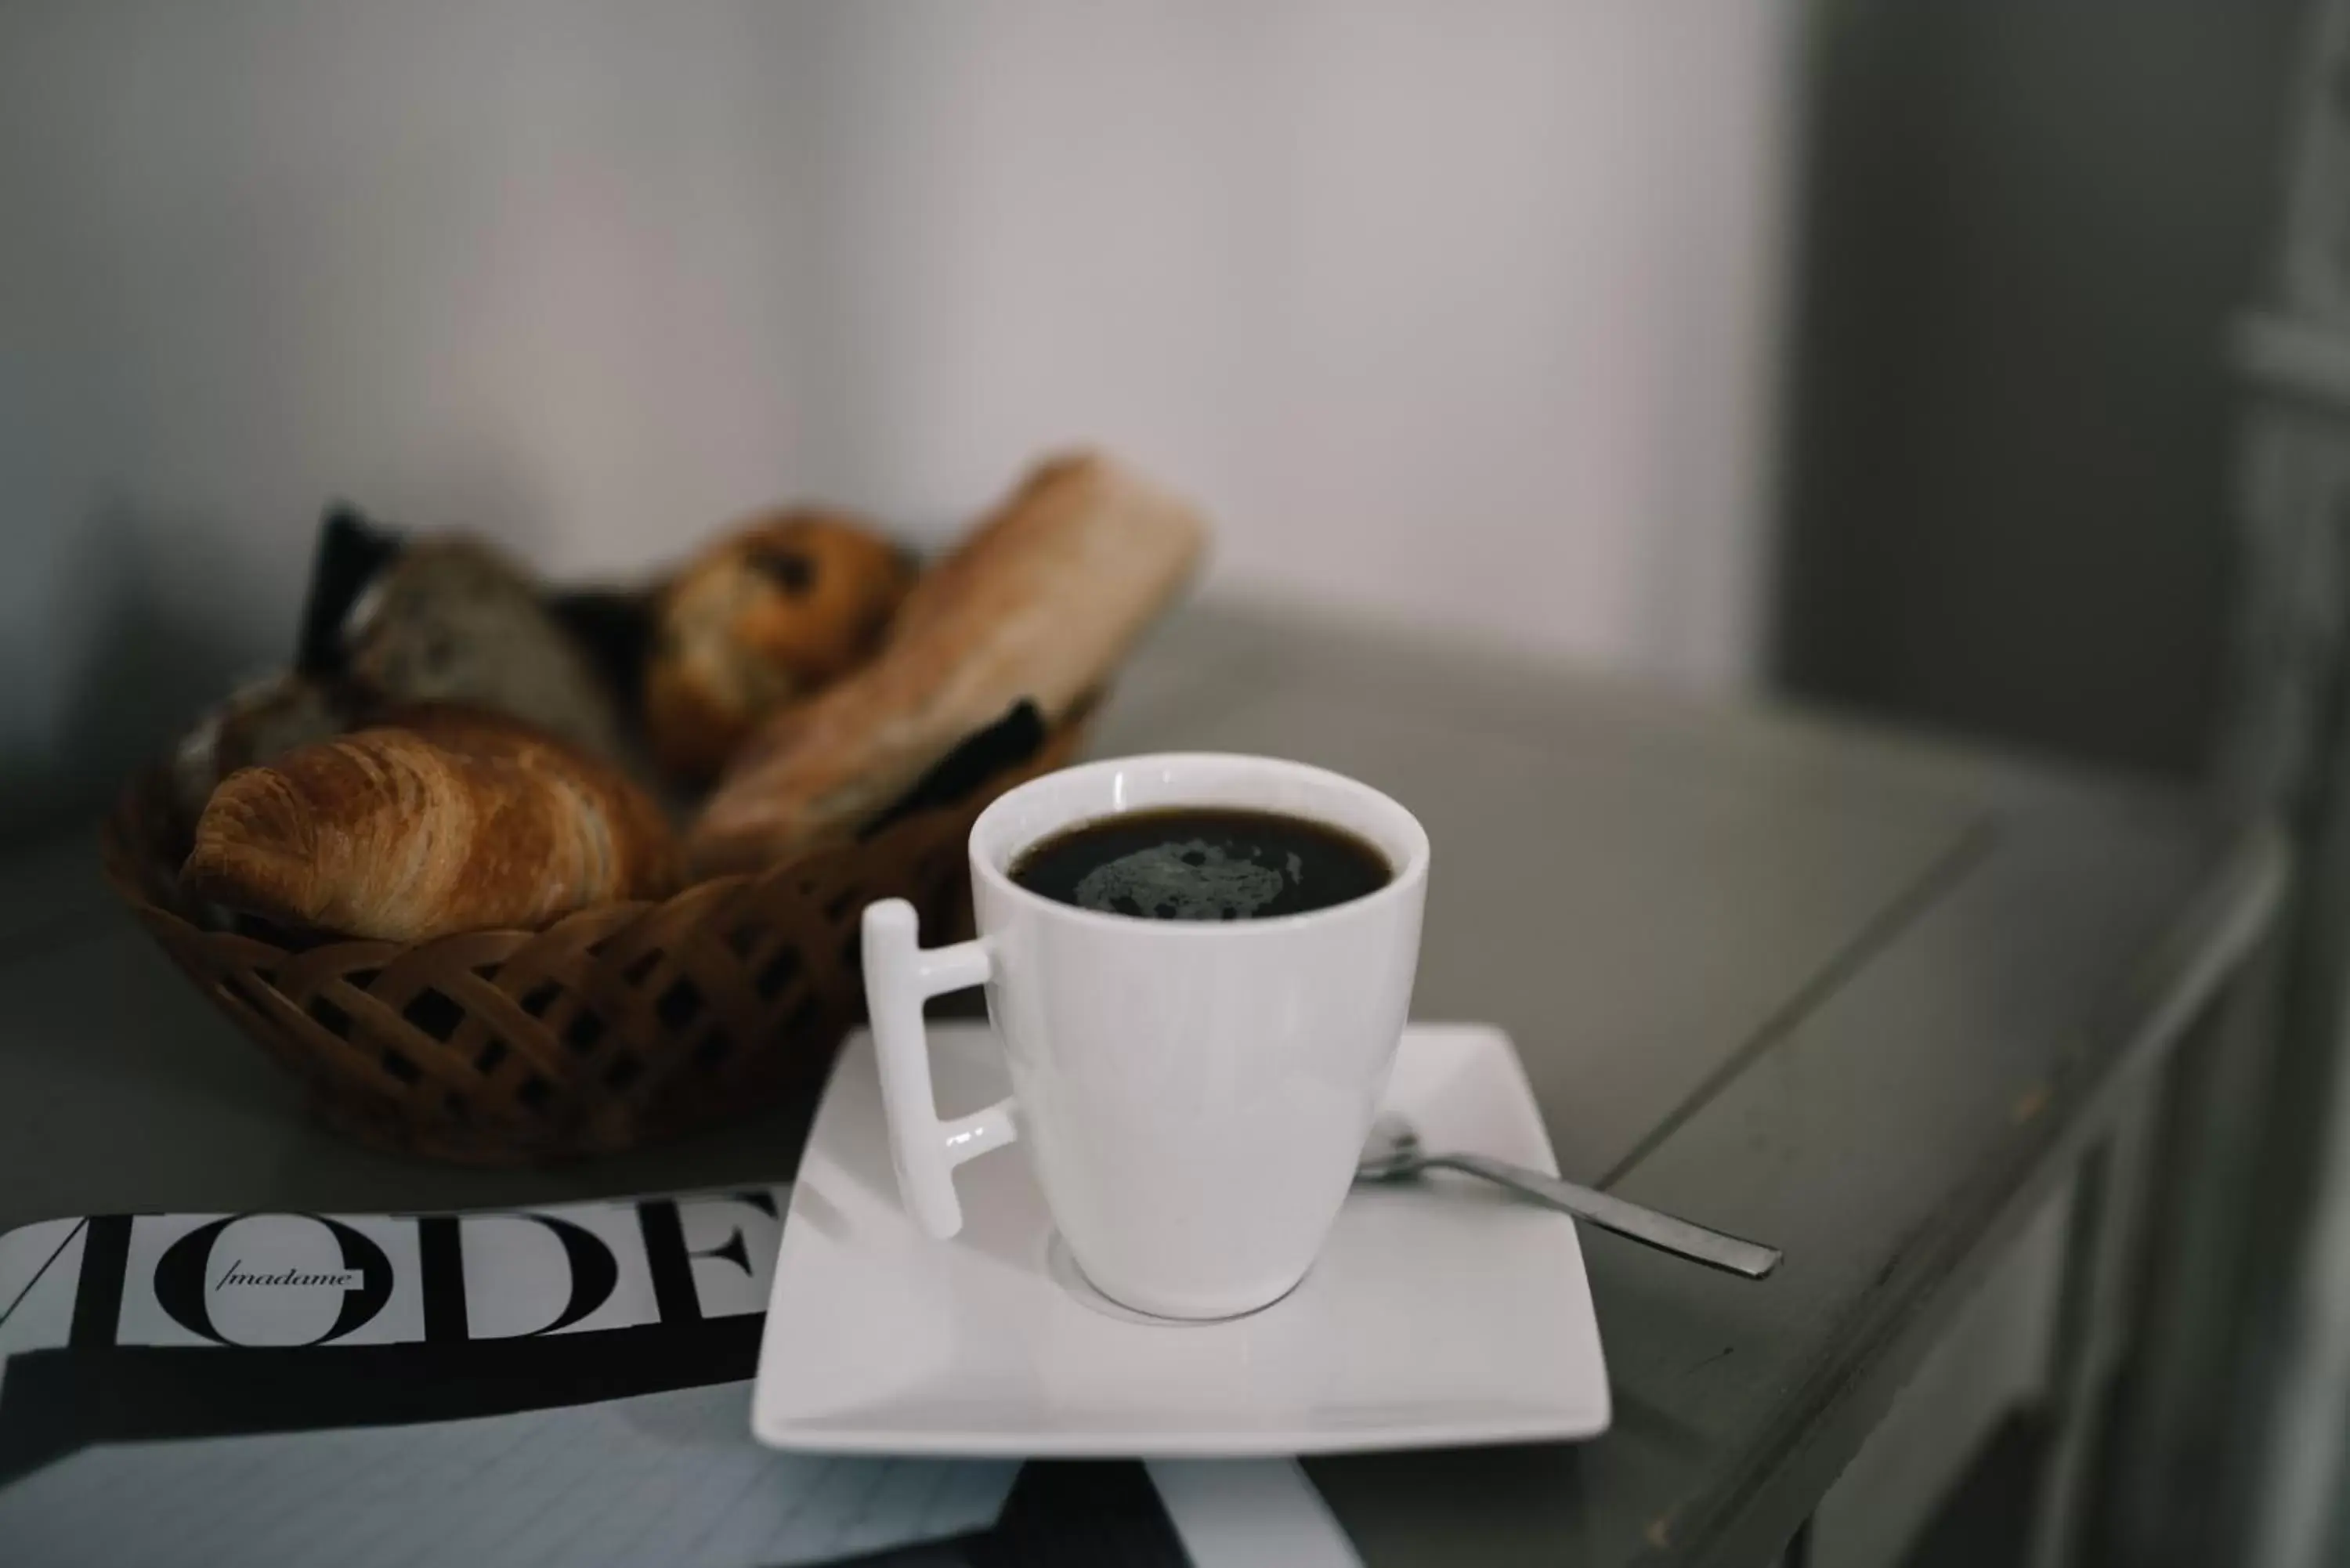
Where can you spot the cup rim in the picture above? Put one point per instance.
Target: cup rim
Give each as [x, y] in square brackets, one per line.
[1407, 881]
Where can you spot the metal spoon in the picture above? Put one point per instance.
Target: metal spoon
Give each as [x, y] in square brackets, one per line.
[1394, 1154]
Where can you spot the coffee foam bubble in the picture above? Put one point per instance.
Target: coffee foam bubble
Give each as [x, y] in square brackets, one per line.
[1192, 880]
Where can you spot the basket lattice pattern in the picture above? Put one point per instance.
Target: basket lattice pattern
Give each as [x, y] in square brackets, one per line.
[611, 1027]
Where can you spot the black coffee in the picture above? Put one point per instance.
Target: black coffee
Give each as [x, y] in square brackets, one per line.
[1203, 863]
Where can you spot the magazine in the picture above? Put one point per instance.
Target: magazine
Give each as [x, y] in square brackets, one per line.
[567, 1384]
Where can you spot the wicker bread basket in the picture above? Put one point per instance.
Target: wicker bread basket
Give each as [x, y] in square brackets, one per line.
[611, 1027]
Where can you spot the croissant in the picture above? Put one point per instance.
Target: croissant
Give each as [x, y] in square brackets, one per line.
[446, 820]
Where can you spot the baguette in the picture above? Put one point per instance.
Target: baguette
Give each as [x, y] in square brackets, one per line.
[447, 820]
[1038, 604]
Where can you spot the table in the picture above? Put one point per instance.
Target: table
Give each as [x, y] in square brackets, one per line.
[1869, 997]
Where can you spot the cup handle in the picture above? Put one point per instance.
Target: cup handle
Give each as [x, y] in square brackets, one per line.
[899, 977]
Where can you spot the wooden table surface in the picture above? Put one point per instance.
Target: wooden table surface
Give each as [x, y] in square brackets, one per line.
[1858, 996]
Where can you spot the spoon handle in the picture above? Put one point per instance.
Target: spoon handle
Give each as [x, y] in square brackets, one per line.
[1661, 1232]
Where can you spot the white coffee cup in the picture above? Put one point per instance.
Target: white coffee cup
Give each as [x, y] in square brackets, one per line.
[1193, 1096]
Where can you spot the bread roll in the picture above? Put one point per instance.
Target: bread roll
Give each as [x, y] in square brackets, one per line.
[1040, 602]
[764, 617]
[444, 821]
[258, 722]
[451, 621]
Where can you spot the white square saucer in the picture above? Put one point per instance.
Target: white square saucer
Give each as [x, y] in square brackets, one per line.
[1438, 1315]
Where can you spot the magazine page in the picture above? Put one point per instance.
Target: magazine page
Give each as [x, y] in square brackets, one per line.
[567, 1384]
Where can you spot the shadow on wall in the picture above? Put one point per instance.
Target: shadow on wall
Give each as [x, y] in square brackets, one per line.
[137, 671]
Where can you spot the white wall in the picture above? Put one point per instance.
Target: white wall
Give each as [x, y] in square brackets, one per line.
[1456, 312]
